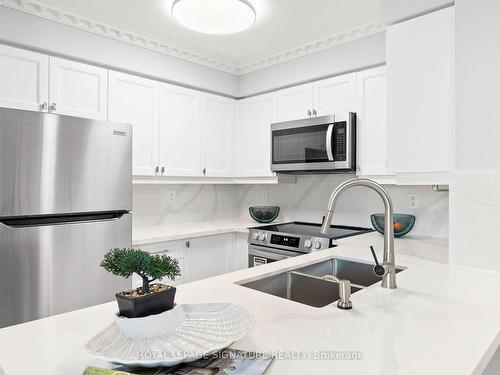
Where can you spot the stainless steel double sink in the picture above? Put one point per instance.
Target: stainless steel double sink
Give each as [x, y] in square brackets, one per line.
[305, 285]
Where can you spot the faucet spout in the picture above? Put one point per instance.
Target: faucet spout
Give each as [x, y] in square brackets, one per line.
[389, 279]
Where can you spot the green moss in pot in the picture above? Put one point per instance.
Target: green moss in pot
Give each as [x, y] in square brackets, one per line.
[150, 298]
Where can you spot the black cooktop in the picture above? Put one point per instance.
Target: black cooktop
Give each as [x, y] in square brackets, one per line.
[314, 230]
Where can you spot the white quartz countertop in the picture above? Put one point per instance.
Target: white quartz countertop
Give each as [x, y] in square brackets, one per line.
[180, 231]
[440, 320]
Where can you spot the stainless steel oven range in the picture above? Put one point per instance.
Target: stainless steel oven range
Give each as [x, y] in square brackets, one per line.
[271, 243]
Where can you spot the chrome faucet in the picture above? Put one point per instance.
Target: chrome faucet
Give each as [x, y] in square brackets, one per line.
[389, 266]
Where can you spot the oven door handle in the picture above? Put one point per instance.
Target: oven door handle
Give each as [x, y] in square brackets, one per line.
[329, 142]
[269, 253]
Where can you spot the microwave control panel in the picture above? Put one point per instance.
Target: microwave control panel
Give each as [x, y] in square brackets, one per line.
[340, 141]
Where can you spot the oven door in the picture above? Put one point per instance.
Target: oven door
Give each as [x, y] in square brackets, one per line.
[316, 144]
[259, 255]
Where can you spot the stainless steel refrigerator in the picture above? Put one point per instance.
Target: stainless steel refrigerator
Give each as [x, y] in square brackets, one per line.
[65, 199]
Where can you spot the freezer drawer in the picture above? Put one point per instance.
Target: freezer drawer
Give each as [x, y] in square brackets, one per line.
[51, 269]
[52, 164]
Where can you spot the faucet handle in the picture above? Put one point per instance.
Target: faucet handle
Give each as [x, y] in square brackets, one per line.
[379, 269]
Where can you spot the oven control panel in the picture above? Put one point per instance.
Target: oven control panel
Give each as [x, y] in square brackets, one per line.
[277, 239]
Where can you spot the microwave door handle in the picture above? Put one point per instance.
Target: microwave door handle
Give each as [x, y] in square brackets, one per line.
[329, 142]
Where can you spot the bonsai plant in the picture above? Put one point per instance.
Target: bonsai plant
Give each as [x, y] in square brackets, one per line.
[149, 298]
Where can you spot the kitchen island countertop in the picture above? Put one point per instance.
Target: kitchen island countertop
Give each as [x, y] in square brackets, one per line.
[440, 320]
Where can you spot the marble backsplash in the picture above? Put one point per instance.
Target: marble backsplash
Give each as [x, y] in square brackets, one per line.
[475, 219]
[306, 200]
[151, 204]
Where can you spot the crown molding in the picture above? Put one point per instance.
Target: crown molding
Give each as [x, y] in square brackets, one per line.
[309, 48]
[118, 33]
[169, 48]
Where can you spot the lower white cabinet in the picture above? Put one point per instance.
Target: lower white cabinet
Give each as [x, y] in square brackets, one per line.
[174, 249]
[202, 257]
[210, 256]
[240, 251]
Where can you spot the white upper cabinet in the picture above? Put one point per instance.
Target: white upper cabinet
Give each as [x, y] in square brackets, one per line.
[135, 100]
[255, 116]
[420, 93]
[372, 121]
[325, 97]
[334, 95]
[219, 123]
[180, 131]
[24, 79]
[78, 89]
[294, 103]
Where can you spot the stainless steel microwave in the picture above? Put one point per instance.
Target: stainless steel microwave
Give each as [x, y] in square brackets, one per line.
[325, 144]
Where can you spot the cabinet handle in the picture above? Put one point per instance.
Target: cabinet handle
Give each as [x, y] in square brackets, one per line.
[44, 106]
[157, 169]
[315, 113]
[188, 244]
[53, 107]
[309, 112]
[204, 171]
[162, 170]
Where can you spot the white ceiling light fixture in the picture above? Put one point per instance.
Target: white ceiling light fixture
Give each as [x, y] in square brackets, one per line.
[214, 16]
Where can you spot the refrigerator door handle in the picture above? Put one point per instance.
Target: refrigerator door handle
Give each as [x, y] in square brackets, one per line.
[61, 219]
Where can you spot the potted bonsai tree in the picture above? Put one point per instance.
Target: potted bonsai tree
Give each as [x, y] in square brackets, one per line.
[150, 298]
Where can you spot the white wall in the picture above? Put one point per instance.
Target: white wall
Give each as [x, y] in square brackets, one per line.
[475, 186]
[355, 55]
[54, 38]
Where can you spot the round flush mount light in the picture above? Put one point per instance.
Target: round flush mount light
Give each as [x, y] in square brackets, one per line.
[214, 16]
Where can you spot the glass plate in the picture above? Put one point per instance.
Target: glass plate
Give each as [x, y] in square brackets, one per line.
[206, 329]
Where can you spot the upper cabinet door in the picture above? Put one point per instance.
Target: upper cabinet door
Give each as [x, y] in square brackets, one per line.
[254, 118]
[219, 124]
[295, 103]
[334, 95]
[24, 79]
[180, 131]
[420, 93]
[372, 121]
[78, 89]
[135, 100]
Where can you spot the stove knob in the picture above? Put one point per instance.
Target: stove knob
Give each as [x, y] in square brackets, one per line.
[262, 236]
[308, 244]
[317, 244]
[255, 236]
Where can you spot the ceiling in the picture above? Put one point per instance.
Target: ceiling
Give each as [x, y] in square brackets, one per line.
[284, 29]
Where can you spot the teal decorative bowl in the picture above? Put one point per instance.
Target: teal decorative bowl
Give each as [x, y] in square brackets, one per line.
[403, 223]
[264, 214]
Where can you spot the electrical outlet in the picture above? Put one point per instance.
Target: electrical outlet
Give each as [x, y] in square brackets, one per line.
[265, 195]
[171, 196]
[412, 201]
